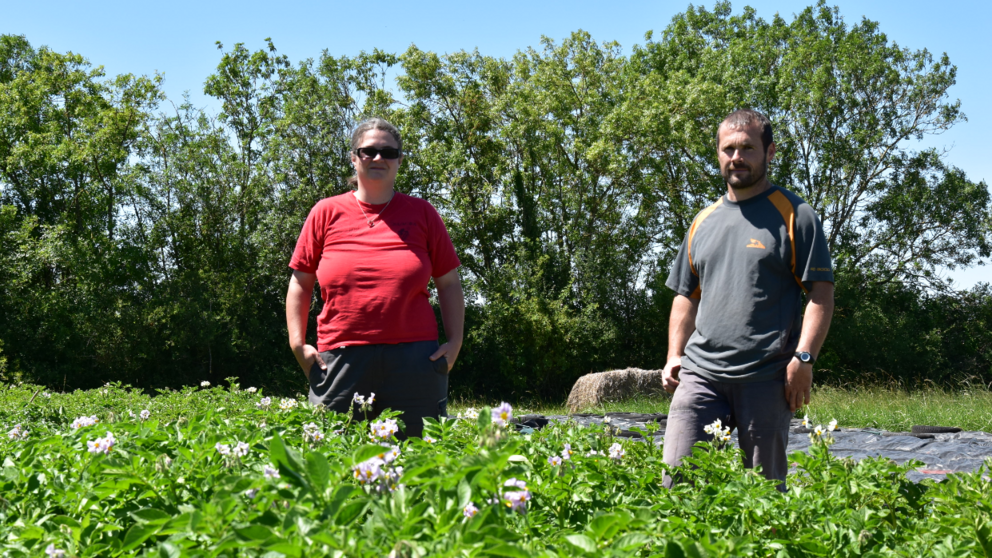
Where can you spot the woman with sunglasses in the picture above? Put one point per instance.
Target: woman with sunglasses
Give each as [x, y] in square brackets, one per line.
[373, 251]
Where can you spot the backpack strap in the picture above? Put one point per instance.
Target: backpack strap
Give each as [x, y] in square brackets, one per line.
[785, 207]
[692, 232]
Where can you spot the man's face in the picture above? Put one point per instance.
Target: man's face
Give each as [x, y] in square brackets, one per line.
[743, 161]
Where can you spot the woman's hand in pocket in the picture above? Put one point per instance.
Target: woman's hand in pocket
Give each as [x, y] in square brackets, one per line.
[306, 356]
[449, 351]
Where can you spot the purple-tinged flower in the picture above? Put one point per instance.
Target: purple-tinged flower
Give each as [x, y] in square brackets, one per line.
[470, 510]
[223, 449]
[616, 452]
[84, 421]
[522, 485]
[251, 493]
[554, 461]
[516, 500]
[567, 452]
[369, 471]
[384, 429]
[358, 399]
[240, 450]
[270, 472]
[594, 453]
[17, 433]
[389, 455]
[53, 552]
[145, 414]
[502, 414]
[264, 403]
[429, 439]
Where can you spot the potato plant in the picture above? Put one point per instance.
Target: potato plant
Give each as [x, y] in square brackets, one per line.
[232, 472]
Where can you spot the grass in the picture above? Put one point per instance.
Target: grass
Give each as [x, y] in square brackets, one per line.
[883, 408]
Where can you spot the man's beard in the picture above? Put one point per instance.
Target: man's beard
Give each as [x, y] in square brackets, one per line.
[746, 181]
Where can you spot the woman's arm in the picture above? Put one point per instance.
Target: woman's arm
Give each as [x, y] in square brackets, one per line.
[449, 294]
[297, 313]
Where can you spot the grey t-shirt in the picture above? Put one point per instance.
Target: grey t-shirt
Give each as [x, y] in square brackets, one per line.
[744, 261]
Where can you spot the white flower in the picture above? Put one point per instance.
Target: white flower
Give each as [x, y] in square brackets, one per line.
[252, 389]
[264, 403]
[145, 414]
[251, 493]
[390, 455]
[240, 450]
[607, 420]
[554, 460]
[131, 414]
[223, 449]
[715, 429]
[383, 429]
[270, 472]
[616, 451]
[502, 414]
[53, 552]
[286, 404]
[806, 421]
[204, 383]
[470, 413]
[832, 425]
[167, 461]
[84, 421]
[46, 394]
[102, 445]
[819, 431]
[369, 471]
[429, 439]
[358, 399]
[17, 433]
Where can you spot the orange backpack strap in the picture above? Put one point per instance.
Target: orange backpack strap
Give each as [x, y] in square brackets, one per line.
[692, 232]
[784, 206]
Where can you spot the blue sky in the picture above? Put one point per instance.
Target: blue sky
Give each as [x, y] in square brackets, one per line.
[178, 39]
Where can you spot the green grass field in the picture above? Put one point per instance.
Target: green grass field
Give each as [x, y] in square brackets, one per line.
[873, 407]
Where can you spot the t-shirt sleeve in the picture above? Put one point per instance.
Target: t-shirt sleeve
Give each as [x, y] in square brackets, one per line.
[681, 279]
[439, 246]
[812, 254]
[310, 244]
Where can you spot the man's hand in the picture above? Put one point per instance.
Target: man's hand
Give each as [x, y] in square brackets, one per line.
[670, 375]
[306, 356]
[449, 351]
[798, 382]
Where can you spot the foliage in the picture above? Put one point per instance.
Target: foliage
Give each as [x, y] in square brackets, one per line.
[176, 482]
[151, 247]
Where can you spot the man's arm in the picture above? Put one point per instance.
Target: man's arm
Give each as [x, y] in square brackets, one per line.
[816, 323]
[681, 324]
[297, 313]
[452, 300]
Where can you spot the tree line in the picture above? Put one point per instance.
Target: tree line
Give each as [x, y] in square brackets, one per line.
[145, 240]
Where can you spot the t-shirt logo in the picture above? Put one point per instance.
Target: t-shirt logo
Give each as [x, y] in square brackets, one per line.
[755, 243]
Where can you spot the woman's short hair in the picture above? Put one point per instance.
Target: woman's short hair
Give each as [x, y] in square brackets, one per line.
[375, 124]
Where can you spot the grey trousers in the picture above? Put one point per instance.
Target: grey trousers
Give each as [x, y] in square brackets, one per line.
[757, 410]
[402, 376]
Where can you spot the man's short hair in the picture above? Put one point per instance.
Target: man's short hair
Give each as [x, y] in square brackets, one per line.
[744, 118]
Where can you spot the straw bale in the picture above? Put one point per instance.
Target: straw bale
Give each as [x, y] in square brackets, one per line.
[592, 390]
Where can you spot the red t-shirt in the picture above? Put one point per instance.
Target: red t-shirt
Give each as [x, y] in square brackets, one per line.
[374, 280]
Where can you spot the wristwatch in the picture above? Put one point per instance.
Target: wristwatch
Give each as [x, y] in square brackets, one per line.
[803, 356]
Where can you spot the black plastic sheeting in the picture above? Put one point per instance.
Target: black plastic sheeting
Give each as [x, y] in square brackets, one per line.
[940, 453]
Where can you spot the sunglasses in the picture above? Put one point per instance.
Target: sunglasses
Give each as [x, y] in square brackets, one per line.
[371, 152]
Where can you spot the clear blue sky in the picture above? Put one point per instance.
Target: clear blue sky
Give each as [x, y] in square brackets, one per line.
[177, 39]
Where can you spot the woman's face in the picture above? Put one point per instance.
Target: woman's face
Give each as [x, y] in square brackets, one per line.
[376, 169]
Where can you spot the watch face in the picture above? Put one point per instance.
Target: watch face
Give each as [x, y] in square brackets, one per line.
[805, 357]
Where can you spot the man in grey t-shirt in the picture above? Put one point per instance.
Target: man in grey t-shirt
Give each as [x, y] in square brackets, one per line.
[739, 347]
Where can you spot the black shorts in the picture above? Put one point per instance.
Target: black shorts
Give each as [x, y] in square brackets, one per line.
[402, 376]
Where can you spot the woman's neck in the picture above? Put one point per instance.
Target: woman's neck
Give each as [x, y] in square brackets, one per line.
[374, 194]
